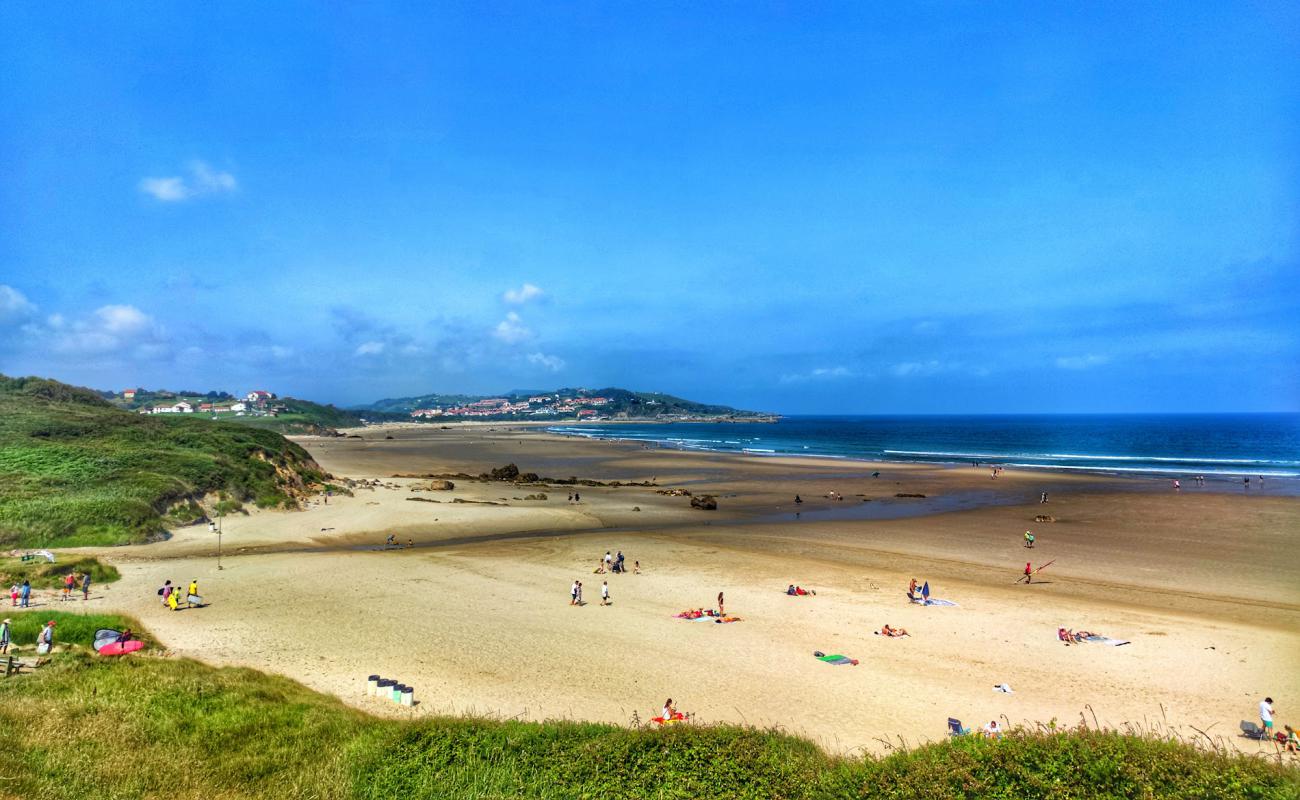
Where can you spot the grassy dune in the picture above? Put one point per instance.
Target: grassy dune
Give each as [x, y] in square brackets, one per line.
[153, 727]
[75, 471]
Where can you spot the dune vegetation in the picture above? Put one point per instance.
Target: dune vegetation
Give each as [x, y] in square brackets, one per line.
[75, 471]
[151, 726]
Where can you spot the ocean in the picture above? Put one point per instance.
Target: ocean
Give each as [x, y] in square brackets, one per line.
[1172, 445]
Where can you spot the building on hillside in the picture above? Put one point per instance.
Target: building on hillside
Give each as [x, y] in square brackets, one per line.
[238, 406]
[128, 394]
[596, 401]
[586, 412]
[205, 407]
[259, 396]
[183, 408]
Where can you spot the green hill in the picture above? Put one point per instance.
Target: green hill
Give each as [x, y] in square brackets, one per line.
[613, 403]
[87, 727]
[74, 470]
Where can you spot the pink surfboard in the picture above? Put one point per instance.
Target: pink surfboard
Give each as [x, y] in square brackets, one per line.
[116, 649]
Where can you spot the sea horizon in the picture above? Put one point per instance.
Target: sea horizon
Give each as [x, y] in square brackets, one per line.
[1217, 445]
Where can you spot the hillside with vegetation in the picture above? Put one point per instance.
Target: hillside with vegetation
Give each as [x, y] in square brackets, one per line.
[149, 726]
[75, 470]
[609, 403]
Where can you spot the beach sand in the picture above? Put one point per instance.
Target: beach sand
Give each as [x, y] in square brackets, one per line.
[476, 616]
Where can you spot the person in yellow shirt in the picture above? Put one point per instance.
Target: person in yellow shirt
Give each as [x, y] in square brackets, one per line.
[194, 591]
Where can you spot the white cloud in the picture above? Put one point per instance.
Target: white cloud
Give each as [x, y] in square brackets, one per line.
[14, 306]
[1081, 362]
[912, 368]
[819, 374]
[512, 330]
[522, 295]
[370, 349]
[202, 180]
[553, 363]
[107, 330]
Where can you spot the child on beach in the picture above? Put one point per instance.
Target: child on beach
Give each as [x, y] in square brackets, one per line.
[604, 593]
[1029, 572]
[13, 595]
[721, 612]
[636, 567]
[573, 594]
[1029, 539]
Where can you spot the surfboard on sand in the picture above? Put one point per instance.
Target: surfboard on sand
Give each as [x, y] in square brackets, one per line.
[120, 648]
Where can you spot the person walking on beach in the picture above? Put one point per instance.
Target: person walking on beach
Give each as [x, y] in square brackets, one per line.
[1042, 499]
[193, 593]
[85, 586]
[165, 592]
[619, 559]
[579, 592]
[609, 560]
[604, 593]
[721, 611]
[577, 498]
[1177, 484]
[1266, 714]
[4, 637]
[1029, 539]
[573, 594]
[13, 596]
[1029, 572]
[69, 581]
[25, 594]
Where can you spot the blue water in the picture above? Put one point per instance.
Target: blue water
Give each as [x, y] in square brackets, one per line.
[1236, 445]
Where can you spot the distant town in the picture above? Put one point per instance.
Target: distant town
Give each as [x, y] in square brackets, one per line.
[258, 402]
[542, 405]
[267, 409]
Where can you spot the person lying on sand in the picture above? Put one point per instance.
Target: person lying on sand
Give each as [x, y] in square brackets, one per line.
[894, 632]
[798, 591]
[1065, 636]
[1082, 636]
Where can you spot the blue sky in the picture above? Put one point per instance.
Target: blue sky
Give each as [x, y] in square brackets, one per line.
[911, 208]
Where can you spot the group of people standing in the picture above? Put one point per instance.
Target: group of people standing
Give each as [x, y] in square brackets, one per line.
[70, 583]
[20, 594]
[171, 595]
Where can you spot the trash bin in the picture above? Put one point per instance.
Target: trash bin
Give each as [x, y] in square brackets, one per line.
[408, 696]
[372, 683]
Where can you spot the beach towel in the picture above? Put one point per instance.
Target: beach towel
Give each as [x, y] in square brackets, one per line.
[726, 619]
[690, 617]
[1106, 640]
[836, 659]
[934, 601]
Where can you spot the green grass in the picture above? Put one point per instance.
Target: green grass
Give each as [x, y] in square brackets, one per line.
[44, 575]
[75, 471]
[166, 728]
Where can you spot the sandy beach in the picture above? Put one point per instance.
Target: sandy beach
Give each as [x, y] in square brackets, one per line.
[1205, 584]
